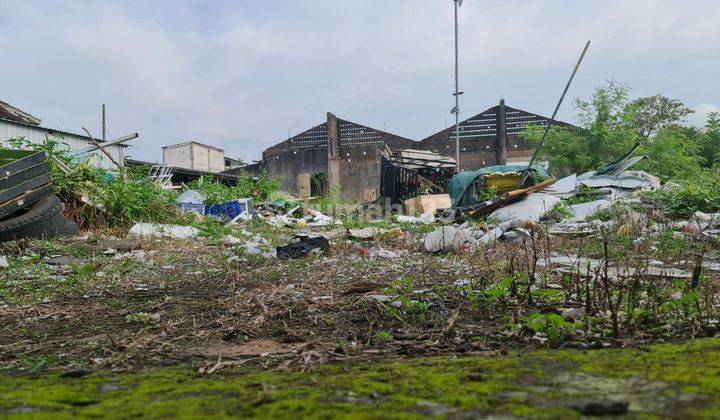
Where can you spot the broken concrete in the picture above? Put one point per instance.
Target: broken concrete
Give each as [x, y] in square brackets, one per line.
[152, 230]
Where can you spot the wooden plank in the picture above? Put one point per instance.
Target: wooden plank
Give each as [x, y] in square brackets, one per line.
[23, 175]
[19, 189]
[534, 188]
[20, 163]
[24, 200]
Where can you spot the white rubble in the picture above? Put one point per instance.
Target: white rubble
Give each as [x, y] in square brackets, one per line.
[231, 240]
[154, 230]
[508, 226]
[377, 252]
[584, 210]
[425, 218]
[450, 238]
[367, 232]
[532, 207]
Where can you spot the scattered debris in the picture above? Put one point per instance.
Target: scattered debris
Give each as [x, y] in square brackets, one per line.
[378, 252]
[450, 238]
[302, 247]
[594, 268]
[232, 210]
[193, 201]
[27, 208]
[584, 210]
[531, 207]
[506, 229]
[469, 189]
[367, 232]
[427, 204]
[425, 218]
[231, 240]
[153, 230]
[405, 174]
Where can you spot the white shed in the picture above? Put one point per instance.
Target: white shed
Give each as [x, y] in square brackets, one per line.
[38, 135]
[15, 123]
[194, 155]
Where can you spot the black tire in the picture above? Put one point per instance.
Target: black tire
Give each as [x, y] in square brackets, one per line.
[43, 219]
[69, 229]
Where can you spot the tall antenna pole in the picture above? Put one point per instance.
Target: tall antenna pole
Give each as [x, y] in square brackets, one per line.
[457, 93]
[526, 172]
[103, 122]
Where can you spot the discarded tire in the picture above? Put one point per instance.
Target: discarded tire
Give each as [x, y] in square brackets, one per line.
[43, 219]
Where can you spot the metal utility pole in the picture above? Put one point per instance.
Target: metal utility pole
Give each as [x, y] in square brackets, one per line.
[103, 122]
[456, 109]
[526, 173]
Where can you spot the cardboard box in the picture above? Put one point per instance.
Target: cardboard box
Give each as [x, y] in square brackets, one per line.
[427, 203]
[304, 185]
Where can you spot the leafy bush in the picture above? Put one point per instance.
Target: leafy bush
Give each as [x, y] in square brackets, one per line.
[217, 193]
[124, 201]
[671, 154]
[137, 199]
[609, 124]
[699, 193]
[710, 141]
[65, 185]
[551, 324]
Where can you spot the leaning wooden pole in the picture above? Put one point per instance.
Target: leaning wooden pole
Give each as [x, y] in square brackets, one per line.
[526, 173]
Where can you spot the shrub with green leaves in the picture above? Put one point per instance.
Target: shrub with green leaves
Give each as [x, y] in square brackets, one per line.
[137, 199]
[699, 193]
[553, 325]
[218, 193]
[125, 202]
[82, 176]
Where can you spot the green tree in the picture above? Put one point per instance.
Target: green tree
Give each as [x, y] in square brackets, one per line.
[606, 132]
[709, 141]
[649, 114]
[671, 154]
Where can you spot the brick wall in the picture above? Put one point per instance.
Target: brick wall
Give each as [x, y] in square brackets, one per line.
[359, 163]
[288, 164]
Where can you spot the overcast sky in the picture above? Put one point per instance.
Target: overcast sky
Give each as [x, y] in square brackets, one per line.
[241, 75]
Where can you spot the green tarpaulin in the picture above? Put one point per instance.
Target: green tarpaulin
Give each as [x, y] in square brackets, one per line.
[460, 189]
[612, 166]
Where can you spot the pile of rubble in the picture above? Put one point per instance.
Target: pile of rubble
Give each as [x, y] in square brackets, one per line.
[481, 207]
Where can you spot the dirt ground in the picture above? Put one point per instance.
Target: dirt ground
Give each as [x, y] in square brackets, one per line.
[130, 305]
[93, 305]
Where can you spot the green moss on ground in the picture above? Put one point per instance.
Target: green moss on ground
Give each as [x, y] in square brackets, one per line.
[676, 380]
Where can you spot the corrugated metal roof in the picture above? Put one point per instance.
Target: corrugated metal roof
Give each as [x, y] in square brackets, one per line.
[54, 131]
[9, 112]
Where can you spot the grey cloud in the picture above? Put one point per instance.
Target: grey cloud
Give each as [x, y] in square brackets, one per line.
[240, 75]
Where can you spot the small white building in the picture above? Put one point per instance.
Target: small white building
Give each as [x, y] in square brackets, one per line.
[194, 155]
[16, 123]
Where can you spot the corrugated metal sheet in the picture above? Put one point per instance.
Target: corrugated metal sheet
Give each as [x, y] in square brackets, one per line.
[37, 135]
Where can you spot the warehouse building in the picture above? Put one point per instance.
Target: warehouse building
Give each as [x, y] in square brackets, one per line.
[347, 154]
[337, 153]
